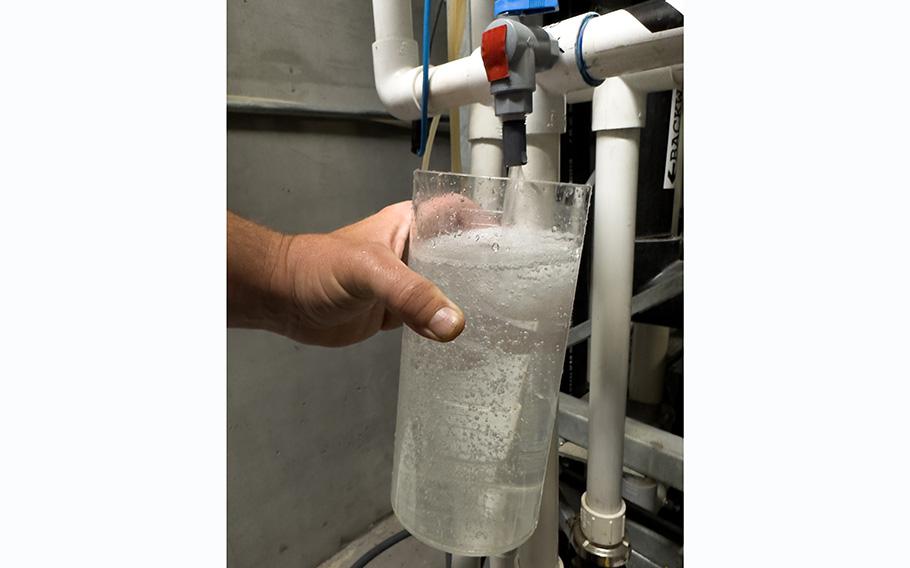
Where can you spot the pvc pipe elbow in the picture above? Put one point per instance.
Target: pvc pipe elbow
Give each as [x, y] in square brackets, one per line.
[395, 71]
[617, 105]
[621, 102]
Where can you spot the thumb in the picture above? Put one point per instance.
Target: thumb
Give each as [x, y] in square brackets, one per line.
[415, 300]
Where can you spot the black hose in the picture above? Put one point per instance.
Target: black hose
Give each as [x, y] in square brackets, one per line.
[380, 548]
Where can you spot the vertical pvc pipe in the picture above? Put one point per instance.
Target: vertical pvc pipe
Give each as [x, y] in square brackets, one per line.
[486, 159]
[457, 14]
[542, 549]
[545, 125]
[484, 129]
[392, 19]
[481, 16]
[543, 157]
[486, 154]
[611, 309]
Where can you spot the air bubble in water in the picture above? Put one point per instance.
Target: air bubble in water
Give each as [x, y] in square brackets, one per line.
[481, 414]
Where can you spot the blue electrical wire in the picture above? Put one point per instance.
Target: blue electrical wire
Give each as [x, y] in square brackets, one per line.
[425, 94]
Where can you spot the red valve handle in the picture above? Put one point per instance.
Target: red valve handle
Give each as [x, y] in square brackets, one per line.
[493, 53]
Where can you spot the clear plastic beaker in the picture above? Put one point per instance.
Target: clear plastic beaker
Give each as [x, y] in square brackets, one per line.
[475, 415]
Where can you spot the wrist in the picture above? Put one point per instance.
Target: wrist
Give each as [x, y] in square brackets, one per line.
[257, 290]
[276, 305]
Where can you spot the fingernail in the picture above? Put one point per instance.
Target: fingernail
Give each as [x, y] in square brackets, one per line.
[444, 323]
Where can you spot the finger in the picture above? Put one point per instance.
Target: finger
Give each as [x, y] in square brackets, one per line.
[390, 321]
[409, 296]
[400, 215]
[452, 212]
[391, 226]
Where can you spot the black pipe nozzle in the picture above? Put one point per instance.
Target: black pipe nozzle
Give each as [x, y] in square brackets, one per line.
[514, 143]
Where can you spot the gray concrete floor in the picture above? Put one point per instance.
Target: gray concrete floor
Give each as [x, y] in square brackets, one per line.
[409, 553]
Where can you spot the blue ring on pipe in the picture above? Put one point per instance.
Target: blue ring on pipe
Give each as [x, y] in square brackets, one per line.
[579, 57]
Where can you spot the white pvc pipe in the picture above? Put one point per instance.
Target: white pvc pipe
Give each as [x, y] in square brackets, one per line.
[616, 180]
[392, 19]
[614, 44]
[455, 83]
[481, 16]
[486, 157]
[617, 44]
[544, 127]
[541, 550]
[484, 128]
[484, 138]
[543, 157]
[582, 96]
[618, 114]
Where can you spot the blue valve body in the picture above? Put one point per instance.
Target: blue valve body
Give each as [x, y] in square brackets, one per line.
[517, 7]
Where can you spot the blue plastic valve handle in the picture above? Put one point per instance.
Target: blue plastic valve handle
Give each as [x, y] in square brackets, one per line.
[525, 6]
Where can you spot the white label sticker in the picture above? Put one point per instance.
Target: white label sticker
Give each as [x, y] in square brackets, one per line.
[670, 169]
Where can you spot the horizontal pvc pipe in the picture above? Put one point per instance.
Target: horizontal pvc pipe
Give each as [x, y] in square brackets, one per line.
[614, 44]
[651, 81]
[617, 44]
[456, 83]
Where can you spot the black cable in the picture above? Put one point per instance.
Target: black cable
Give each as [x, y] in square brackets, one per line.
[380, 548]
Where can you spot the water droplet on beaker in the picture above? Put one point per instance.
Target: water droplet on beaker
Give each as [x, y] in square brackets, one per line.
[495, 247]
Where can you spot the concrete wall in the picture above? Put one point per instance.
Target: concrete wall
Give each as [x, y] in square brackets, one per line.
[310, 430]
[309, 51]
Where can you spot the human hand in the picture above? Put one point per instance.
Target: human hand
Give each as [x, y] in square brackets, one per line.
[344, 286]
